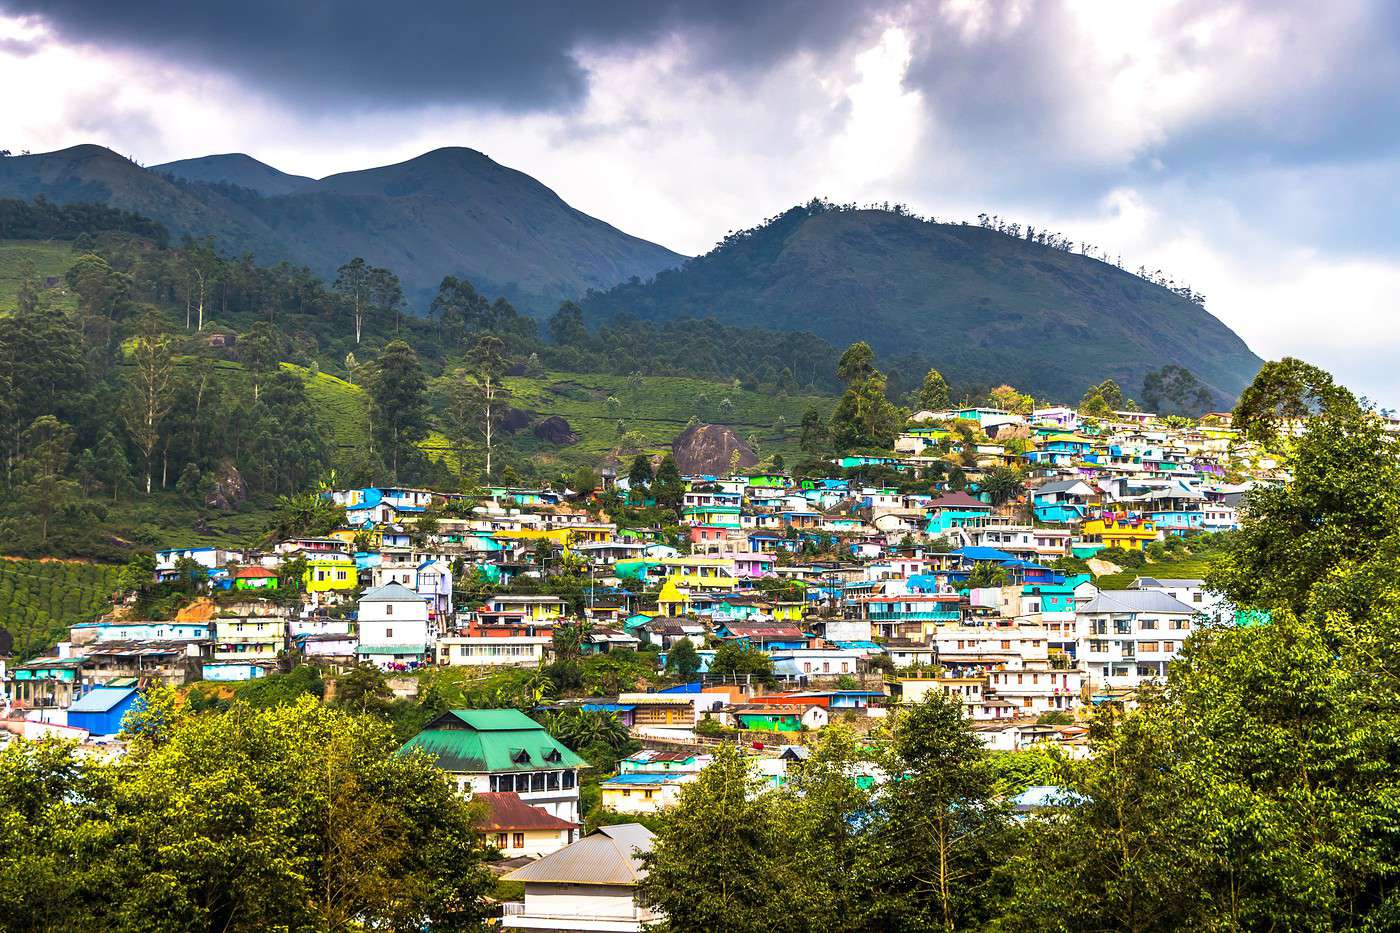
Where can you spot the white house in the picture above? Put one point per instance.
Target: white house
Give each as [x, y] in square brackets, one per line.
[588, 886]
[394, 626]
[1126, 637]
[492, 650]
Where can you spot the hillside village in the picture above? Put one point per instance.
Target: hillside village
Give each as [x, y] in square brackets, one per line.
[763, 610]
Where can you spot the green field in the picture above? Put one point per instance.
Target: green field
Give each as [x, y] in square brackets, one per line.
[340, 406]
[1184, 568]
[48, 258]
[40, 599]
[655, 410]
[658, 408]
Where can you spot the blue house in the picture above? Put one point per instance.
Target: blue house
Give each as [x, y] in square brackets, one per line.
[1062, 502]
[100, 711]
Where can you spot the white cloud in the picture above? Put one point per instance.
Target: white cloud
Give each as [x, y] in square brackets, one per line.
[1226, 143]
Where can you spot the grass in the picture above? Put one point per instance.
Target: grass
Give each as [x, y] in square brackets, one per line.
[48, 258]
[1192, 567]
[659, 407]
[40, 599]
[341, 406]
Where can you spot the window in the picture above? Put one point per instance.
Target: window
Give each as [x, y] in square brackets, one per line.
[626, 792]
[389, 609]
[1006, 644]
[568, 780]
[340, 574]
[518, 840]
[1197, 597]
[388, 633]
[500, 840]
[648, 794]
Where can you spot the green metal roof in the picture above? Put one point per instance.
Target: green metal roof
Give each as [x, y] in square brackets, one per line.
[492, 740]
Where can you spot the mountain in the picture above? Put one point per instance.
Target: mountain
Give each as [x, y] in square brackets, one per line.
[235, 168]
[452, 211]
[983, 307]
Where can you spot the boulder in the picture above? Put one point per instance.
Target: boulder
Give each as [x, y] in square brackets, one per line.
[708, 448]
[555, 430]
[227, 489]
[515, 419]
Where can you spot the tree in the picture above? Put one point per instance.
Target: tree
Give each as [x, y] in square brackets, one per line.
[933, 394]
[683, 660]
[363, 689]
[1012, 400]
[857, 363]
[711, 866]
[260, 349]
[864, 416]
[1002, 484]
[816, 436]
[352, 284]
[1284, 390]
[639, 475]
[43, 474]
[566, 326]
[479, 395]
[1102, 400]
[1175, 389]
[150, 389]
[941, 829]
[398, 404]
[459, 310]
[386, 296]
[734, 660]
[201, 267]
[668, 489]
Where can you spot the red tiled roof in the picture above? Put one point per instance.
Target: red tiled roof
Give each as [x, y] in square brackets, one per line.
[245, 573]
[957, 500]
[508, 812]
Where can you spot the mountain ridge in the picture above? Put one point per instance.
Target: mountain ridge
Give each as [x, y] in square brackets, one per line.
[424, 218]
[982, 306]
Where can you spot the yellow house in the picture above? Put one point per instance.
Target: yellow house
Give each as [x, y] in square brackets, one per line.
[329, 573]
[701, 573]
[672, 600]
[373, 536]
[1129, 535]
[789, 612]
[530, 607]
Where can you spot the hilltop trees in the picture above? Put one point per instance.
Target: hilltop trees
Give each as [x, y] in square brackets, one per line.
[933, 394]
[398, 406]
[864, 417]
[150, 390]
[1174, 390]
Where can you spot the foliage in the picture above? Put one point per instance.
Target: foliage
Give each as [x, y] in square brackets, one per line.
[294, 817]
[864, 417]
[1175, 390]
[40, 599]
[1286, 389]
[1002, 484]
[736, 661]
[682, 659]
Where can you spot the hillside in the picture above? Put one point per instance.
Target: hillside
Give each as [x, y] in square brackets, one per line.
[982, 306]
[235, 168]
[48, 259]
[40, 599]
[450, 211]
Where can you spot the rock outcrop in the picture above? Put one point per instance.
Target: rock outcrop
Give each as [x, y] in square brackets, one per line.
[555, 430]
[709, 448]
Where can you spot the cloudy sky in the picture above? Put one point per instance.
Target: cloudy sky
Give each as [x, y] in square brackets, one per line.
[1247, 148]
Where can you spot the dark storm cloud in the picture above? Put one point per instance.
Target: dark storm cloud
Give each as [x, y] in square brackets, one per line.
[371, 53]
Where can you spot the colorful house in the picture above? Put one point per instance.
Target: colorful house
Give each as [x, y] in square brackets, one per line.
[1131, 534]
[101, 711]
[330, 573]
[518, 829]
[503, 750]
[254, 578]
[642, 792]
[765, 717]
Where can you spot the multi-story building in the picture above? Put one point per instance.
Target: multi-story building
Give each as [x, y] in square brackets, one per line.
[503, 750]
[1127, 637]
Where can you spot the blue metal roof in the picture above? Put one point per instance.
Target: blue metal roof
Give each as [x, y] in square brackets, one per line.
[984, 553]
[101, 700]
[607, 707]
[644, 778]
